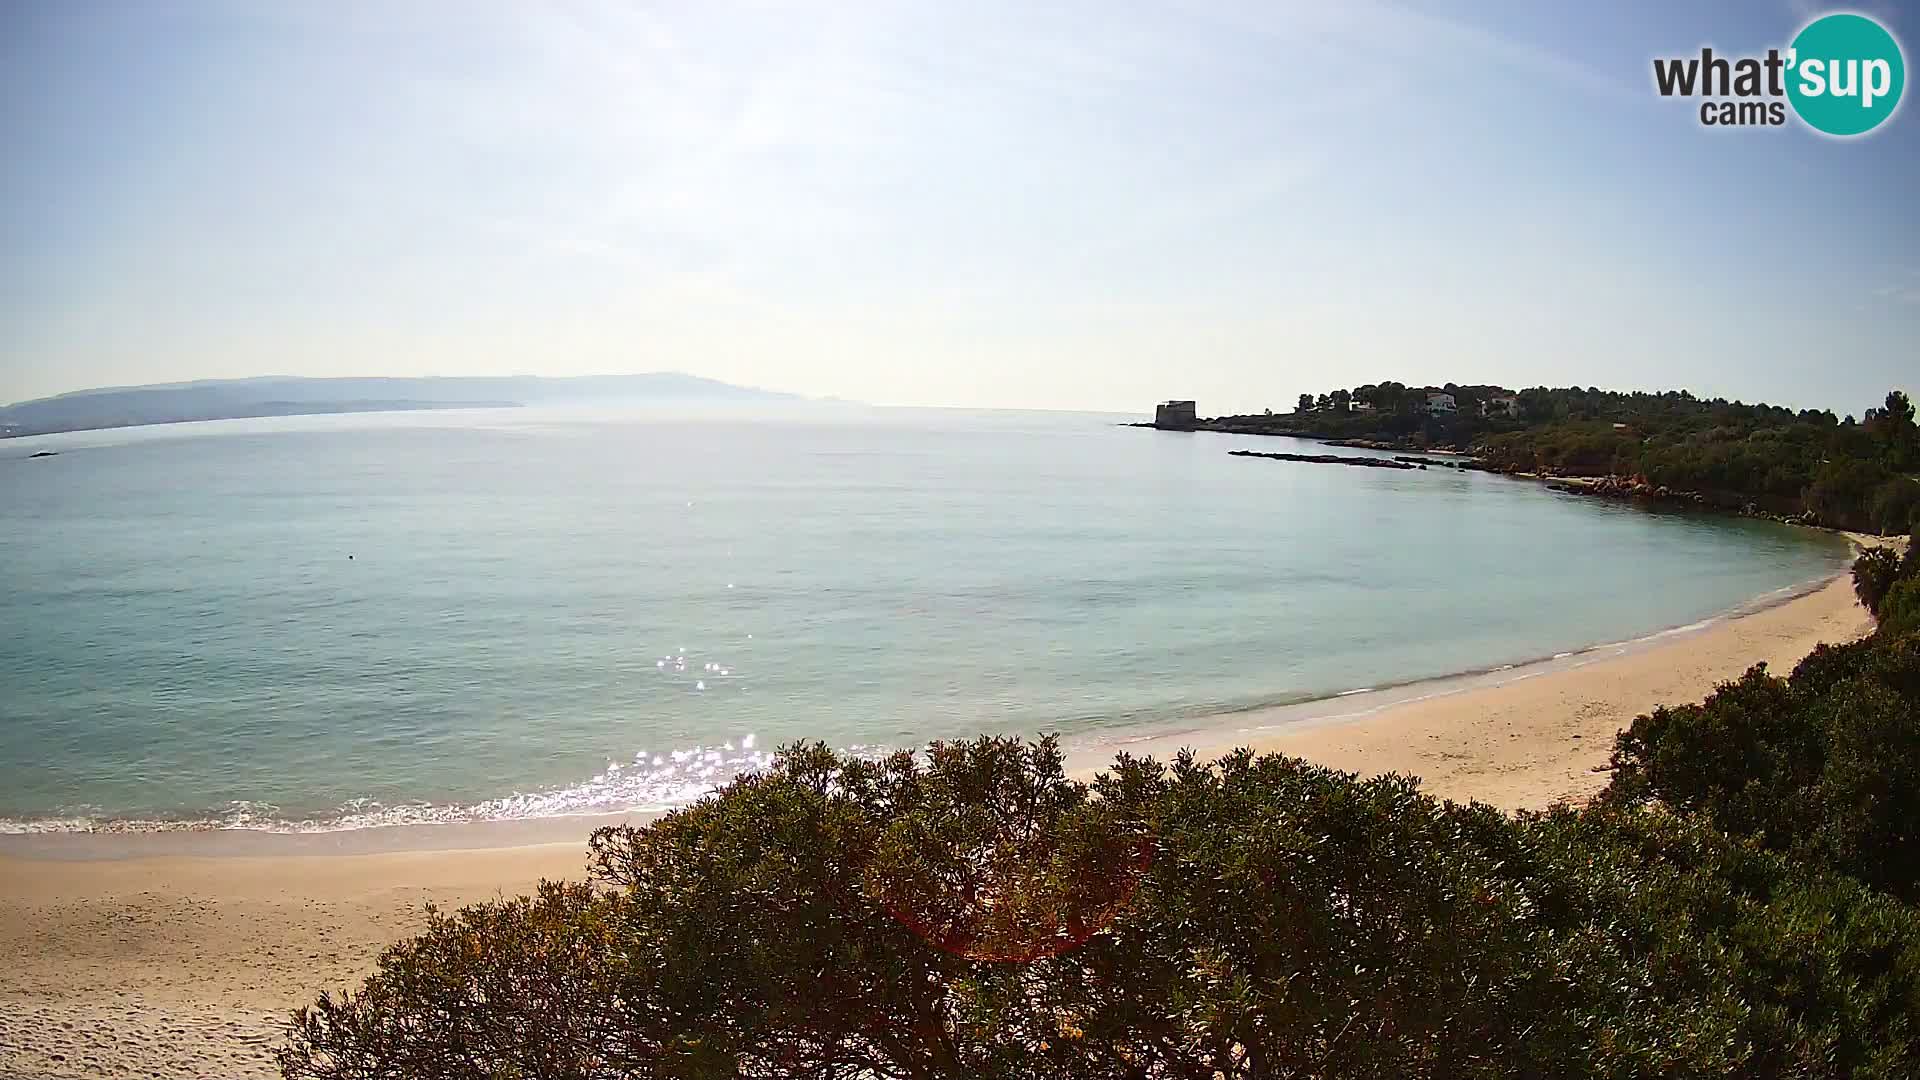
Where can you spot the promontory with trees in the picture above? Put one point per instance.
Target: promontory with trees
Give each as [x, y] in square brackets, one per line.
[1808, 465]
[1740, 901]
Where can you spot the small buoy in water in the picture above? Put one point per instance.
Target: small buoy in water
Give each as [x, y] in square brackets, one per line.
[700, 684]
[349, 558]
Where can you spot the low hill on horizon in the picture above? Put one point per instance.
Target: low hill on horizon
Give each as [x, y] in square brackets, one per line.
[277, 395]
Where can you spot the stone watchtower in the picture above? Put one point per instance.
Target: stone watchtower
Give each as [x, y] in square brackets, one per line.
[1175, 416]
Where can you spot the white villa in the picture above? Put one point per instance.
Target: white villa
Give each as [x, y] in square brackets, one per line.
[1505, 405]
[1438, 403]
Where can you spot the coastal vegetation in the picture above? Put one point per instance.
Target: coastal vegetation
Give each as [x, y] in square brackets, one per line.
[1888, 585]
[1739, 901]
[1809, 464]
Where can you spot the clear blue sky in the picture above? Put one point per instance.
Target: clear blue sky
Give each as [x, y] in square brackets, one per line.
[1075, 205]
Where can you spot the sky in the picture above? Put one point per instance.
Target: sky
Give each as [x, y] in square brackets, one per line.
[1078, 205]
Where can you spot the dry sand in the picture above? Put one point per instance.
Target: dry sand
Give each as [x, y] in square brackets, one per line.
[183, 965]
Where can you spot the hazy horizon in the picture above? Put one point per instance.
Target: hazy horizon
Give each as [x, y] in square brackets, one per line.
[1074, 208]
[280, 376]
[1221, 408]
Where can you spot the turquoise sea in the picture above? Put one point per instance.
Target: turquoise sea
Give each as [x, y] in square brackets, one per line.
[349, 620]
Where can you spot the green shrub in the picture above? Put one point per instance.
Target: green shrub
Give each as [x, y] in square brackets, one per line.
[1892, 659]
[1868, 816]
[1842, 491]
[463, 992]
[1874, 572]
[1768, 971]
[1821, 765]
[1745, 757]
[1896, 505]
[1900, 610]
[1250, 917]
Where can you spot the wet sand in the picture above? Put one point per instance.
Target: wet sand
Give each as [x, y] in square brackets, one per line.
[176, 960]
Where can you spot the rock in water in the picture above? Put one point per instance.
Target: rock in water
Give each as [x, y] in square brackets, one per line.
[1328, 459]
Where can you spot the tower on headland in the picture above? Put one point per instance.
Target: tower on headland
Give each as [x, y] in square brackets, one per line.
[1175, 416]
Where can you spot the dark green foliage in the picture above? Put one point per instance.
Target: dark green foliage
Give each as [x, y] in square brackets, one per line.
[1744, 964]
[1874, 573]
[1574, 449]
[1888, 585]
[1824, 766]
[1892, 659]
[1893, 427]
[974, 913]
[1867, 802]
[1896, 505]
[1745, 756]
[1841, 494]
[518, 988]
[1311, 924]
[1900, 611]
[1730, 454]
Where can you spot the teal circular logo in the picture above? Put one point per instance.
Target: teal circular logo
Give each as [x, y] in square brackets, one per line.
[1845, 74]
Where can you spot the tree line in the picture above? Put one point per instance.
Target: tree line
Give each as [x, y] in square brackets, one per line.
[1840, 472]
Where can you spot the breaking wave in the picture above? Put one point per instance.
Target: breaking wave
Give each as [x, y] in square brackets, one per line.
[650, 781]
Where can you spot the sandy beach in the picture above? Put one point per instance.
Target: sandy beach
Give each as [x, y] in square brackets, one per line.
[182, 965]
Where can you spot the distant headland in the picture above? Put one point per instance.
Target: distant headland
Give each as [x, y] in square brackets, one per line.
[275, 395]
[1807, 466]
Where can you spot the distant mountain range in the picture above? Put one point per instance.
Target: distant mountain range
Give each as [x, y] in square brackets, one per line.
[277, 395]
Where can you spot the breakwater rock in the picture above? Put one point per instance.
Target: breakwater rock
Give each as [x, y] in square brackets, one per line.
[1624, 487]
[1369, 444]
[1328, 459]
[1473, 464]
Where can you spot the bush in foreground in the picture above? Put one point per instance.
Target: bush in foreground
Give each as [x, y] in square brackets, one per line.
[1823, 765]
[974, 913]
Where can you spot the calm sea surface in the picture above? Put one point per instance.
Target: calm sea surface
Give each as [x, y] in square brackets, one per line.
[359, 619]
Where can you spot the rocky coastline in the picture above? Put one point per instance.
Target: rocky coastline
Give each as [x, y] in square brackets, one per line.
[1640, 489]
[1636, 489]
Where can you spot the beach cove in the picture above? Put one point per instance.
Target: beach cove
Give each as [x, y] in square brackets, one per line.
[181, 964]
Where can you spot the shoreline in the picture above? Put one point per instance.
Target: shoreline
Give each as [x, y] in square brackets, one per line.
[1543, 735]
[1361, 703]
[54, 839]
[1086, 754]
[167, 961]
